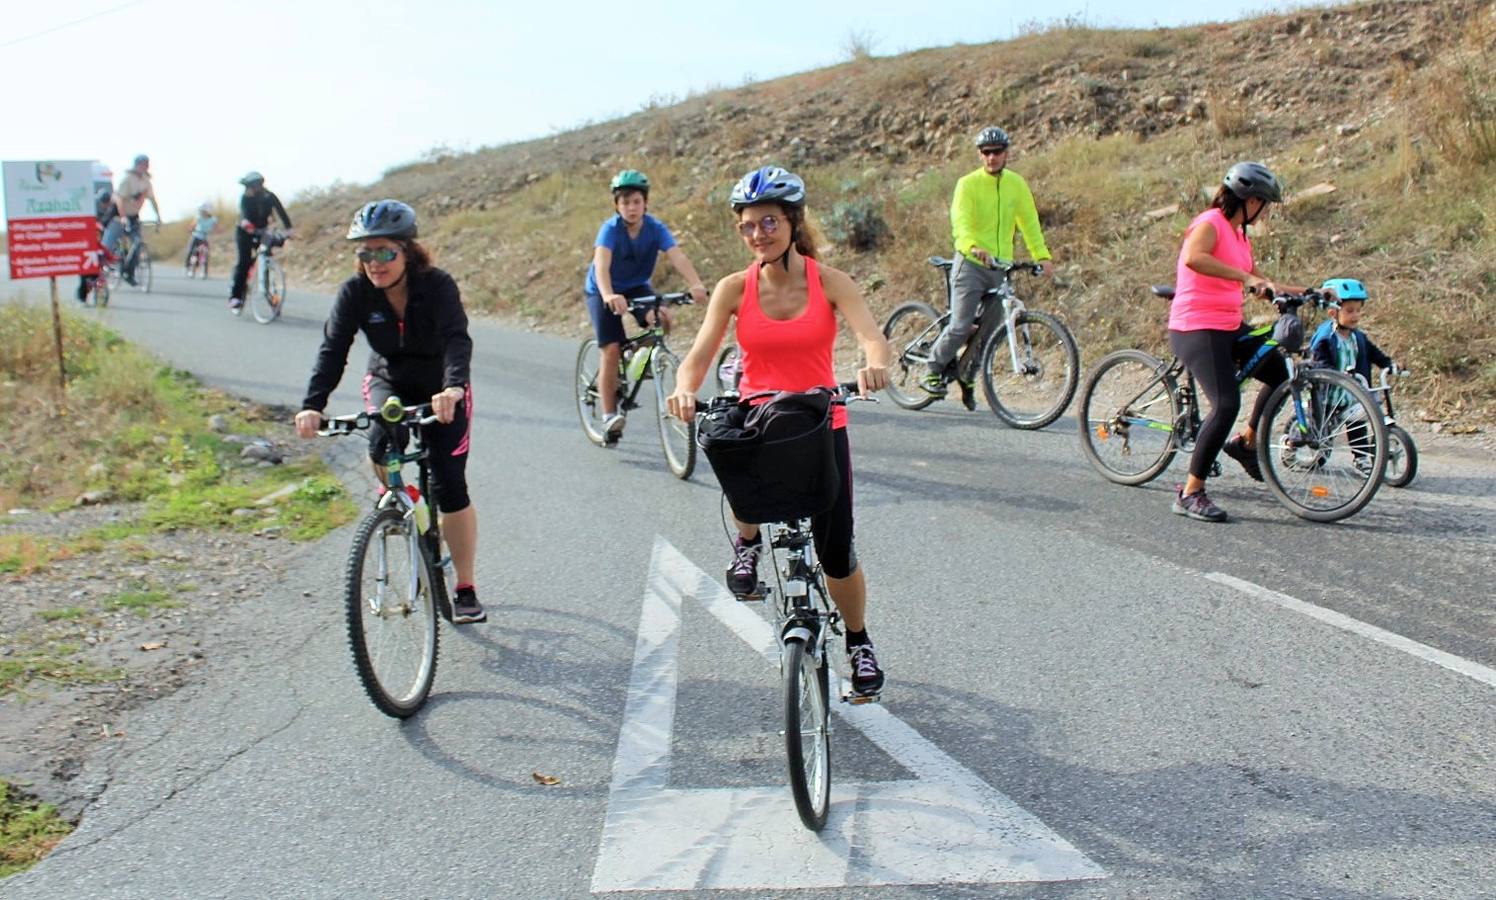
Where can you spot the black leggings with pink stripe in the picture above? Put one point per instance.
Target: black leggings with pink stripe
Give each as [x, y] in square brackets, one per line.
[446, 445]
[832, 529]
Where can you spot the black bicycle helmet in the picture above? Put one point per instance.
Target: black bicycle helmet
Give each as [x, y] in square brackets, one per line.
[991, 136]
[1252, 179]
[383, 218]
[252, 178]
[769, 184]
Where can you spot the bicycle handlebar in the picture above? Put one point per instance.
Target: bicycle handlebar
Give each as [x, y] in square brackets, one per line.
[393, 413]
[679, 298]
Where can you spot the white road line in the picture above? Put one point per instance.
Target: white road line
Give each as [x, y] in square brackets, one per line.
[1483, 674]
[947, 826]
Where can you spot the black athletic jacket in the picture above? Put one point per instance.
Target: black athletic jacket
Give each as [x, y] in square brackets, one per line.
[428, 352]
[258, 207]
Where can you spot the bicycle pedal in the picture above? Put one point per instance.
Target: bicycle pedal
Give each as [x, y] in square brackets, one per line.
[758, 594]
[857, 699]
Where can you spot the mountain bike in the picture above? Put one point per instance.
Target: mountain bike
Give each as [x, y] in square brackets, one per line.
[395, 581]
[130, 242]
[268, 296]
[1027, 387]
[1402, 453]
[780, 483]
[1321, 455]
[198, 260]
[645, 356]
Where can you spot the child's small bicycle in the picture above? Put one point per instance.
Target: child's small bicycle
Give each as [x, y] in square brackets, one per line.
[1402, 453]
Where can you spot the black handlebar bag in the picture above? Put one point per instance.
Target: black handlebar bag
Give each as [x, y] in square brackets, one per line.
[775, 460]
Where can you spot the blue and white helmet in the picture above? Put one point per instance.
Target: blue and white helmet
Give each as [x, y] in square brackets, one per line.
[770, 184]
[383, 218]
[1344, 289]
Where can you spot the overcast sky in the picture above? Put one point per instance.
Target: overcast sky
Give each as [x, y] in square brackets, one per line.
[314, 91]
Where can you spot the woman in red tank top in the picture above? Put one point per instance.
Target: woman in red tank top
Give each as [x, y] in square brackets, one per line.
[786, 305]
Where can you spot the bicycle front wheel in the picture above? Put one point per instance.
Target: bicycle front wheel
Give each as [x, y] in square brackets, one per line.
[1402, 457]
[1034, 390]
[269, 294]
[676, 437]
[1127, 412]
[391, 613]
[1322, 445]
[911, 329]
[807, 739]
[589, 406]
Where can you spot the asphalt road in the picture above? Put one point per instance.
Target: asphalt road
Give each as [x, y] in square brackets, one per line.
[1088, 696]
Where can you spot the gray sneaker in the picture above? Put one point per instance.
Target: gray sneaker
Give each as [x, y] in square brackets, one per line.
[1197, 506]
[613, 427]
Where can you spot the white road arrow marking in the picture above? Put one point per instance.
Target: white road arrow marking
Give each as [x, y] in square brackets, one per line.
[947, 826]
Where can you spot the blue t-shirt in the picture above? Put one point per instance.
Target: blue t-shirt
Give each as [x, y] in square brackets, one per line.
[633, 260]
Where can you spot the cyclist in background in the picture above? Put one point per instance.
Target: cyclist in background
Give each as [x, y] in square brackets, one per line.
[624, 255]
[1339, 344]
[988, 205]
[204, 226]
[411, 315]
[786, 305]
[104, 213]
[255, 208]
[129, 199]
[1206, 329]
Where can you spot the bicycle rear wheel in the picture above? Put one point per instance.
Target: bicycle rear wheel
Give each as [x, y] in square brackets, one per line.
[143, 272]
[1127, 412]
[911, 329]
[391, 613]
[98, 291]
[807, 739]
[1402, 457]
[1328, 463]
[269, 293]
[1037, 392]
[589, 407]
[728, 370]
[676, 437]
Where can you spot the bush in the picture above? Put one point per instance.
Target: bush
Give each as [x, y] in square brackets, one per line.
[857, 225]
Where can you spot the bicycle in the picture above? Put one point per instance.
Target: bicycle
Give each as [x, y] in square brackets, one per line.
[644, 356]
[779, 483]
[113, 270]
[1316, 457]
[1029, 390]
[395, 580]
[198, 259]
[268, 297]
[1402, 453]
[729, 369]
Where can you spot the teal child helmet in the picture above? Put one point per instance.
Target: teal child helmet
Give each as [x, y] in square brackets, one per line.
[1344, 289]
[630, 180]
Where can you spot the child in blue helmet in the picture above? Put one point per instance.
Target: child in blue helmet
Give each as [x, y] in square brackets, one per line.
[1339, 344]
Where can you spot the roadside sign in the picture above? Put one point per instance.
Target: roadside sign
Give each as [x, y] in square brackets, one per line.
[50, 225]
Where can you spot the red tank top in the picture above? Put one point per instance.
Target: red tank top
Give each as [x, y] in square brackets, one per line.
[788, 354]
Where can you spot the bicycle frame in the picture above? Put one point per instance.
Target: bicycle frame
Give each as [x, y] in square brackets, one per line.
[985, 323]
[804, 610]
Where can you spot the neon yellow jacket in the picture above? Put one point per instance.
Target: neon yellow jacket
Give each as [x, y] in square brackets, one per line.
[984, 211]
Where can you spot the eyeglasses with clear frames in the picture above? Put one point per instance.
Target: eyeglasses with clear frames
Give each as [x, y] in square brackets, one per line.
[768, 225]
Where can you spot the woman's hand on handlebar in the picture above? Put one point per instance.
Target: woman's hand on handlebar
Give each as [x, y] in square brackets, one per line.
[1260, 286]
[682, 404]
[444, 403]
[307, 423]
[870, 379]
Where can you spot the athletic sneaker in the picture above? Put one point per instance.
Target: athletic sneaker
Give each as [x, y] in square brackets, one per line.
[742, 575]
[969, 395]
[934, 384]
[1197, 506]
[466, 609]
[867, 678]
[236, 304]
[613, 427]
[1237, 449]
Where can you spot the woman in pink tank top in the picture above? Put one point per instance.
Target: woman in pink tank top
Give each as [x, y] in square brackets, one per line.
[1206, 330]
[786, 305]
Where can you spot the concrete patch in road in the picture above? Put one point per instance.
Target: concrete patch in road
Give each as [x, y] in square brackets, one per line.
[946, 826]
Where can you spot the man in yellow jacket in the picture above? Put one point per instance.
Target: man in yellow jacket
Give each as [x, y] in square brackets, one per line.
[989, 205]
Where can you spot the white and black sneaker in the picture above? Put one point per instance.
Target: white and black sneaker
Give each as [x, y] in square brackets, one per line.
[613, 427]
[867, 678]
[466, 609]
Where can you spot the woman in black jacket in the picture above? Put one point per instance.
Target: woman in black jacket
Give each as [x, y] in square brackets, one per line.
[255, 209]
[411, 314]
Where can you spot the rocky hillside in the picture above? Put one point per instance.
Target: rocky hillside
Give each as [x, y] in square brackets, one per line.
[1386, 109]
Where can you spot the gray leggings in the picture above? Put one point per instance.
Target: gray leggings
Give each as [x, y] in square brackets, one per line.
[969, 282]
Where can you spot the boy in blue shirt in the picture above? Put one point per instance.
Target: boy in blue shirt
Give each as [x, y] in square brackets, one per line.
[1338, 344]
[623, 261]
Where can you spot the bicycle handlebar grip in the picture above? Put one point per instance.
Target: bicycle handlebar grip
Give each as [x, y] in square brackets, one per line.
[392, 410]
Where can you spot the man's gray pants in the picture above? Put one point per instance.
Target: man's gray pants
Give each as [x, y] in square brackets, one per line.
[969, 281]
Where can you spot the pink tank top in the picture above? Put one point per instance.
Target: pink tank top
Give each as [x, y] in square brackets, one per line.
[788, 354]
[1204, 301]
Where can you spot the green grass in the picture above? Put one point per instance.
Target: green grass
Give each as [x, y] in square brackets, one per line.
[28, 830]
[141, 602]
[50, 663]
[66, 614]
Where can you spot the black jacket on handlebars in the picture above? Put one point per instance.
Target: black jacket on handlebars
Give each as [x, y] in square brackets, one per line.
[427, 352]
[258, 207]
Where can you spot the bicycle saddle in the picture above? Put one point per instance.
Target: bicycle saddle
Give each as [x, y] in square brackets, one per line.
[941, 262]
[1165, 291]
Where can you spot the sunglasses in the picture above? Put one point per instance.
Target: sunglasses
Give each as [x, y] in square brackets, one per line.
[768, 225]
[382, 255]
[994, 151]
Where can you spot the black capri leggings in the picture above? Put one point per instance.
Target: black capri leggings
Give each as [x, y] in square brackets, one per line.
[1212, 357]
[832, 529]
